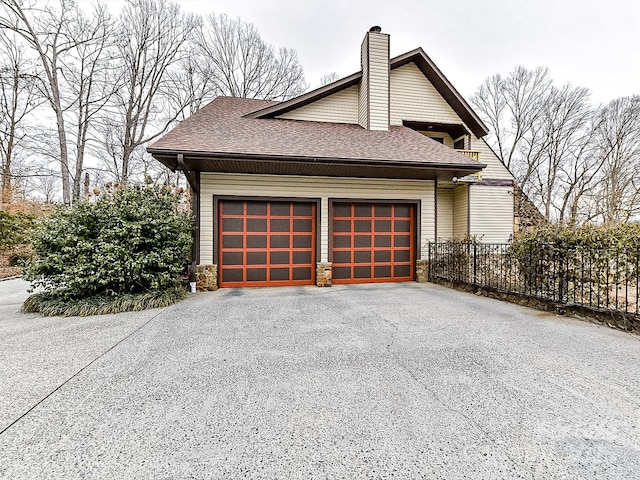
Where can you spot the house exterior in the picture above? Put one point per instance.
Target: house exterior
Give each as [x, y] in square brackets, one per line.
[345, 184]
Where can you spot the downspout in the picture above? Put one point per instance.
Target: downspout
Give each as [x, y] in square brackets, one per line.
[194, 182]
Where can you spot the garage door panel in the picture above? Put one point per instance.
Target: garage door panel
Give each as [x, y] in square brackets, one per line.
[265, 243]
[302, 225]
[361, 272]
[402, 241]
[362, 241]
[255, 241]
[232, 241]
[232, 258]
[383, 211]
[232, 225]
[280, 209]
[280, 225]
[256, 258]
[382, 256]
[382, 241]
[302, 241]
[232, 274]
[372, 242]
[256, 224]
[302, 209]
[257, 208]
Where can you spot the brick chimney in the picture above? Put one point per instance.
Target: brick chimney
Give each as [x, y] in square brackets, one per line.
[373, 105]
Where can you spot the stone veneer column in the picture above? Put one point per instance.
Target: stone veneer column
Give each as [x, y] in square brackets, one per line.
[422, 271]
[206, 278]
[323, 274]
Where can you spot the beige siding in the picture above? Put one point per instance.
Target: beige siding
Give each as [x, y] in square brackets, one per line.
[378, 82]
[413, 97]
[447, 139]
[341, 107]
[491, 213]
[495, 168]
[445, 213]
[363, 94]
[323, 188]
[460, 211]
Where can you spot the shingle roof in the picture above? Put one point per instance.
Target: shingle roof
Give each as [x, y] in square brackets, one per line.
[222, 128]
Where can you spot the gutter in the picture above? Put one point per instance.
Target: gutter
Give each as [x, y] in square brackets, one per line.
[194, 182]
[471, 166]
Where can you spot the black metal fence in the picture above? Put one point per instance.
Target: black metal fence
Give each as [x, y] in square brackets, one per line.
[601, 280]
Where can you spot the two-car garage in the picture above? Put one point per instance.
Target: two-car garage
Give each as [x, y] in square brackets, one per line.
[275, 241]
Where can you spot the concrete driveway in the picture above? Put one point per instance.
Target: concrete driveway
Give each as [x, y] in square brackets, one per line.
[373, 381]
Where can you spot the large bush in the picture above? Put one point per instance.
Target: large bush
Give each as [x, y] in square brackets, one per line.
[129, 241]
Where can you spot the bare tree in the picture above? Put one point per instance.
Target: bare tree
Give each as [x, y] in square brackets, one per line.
[89, 77]
[564, 142]
[328, 78]
[239, 63]
[44, 31]
[510, 106]
[70, 48]
[618, 136]
[18, 98]
[151, 38]
[546, 136]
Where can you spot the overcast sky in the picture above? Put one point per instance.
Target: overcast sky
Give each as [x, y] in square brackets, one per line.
[589, 43]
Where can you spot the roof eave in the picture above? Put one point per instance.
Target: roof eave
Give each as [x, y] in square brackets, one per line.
[160, 154]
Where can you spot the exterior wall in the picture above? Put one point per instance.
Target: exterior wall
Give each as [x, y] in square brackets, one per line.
[460, 211]
[313, 187]
[378, 81]
[341, 107]
[363, 93]
[445, 136]
[495, 168]
[491, 213]
[445, 213]
[413, 97]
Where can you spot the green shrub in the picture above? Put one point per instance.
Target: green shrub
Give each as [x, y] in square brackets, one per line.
[589, 261]
[15, 229]
[50, 305]
[130, 241]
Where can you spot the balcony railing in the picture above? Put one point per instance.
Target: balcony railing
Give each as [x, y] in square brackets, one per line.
[472, 154]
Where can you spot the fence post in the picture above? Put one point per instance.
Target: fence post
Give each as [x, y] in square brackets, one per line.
[429, 262]
[475, 262]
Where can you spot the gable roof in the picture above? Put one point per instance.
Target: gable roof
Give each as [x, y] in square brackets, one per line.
[225, 129]
[426, 66]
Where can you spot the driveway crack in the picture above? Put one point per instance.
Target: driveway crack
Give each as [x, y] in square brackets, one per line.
[43, 399]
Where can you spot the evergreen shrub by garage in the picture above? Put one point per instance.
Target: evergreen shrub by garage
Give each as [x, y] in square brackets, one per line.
[125, 251]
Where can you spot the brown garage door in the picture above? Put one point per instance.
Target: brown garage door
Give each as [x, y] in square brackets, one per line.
[372, 242]
[265, 243]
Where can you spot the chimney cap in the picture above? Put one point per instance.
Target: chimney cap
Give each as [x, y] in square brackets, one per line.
[375, 29]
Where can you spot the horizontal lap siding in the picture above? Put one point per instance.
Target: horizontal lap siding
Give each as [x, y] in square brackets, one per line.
[312, 187]
[448, 142]
[414, 98]
[363, 93]
[460, 211]
[492, 213]
[341, 107]
[445, 213]
[379, 82]
[495, 168]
